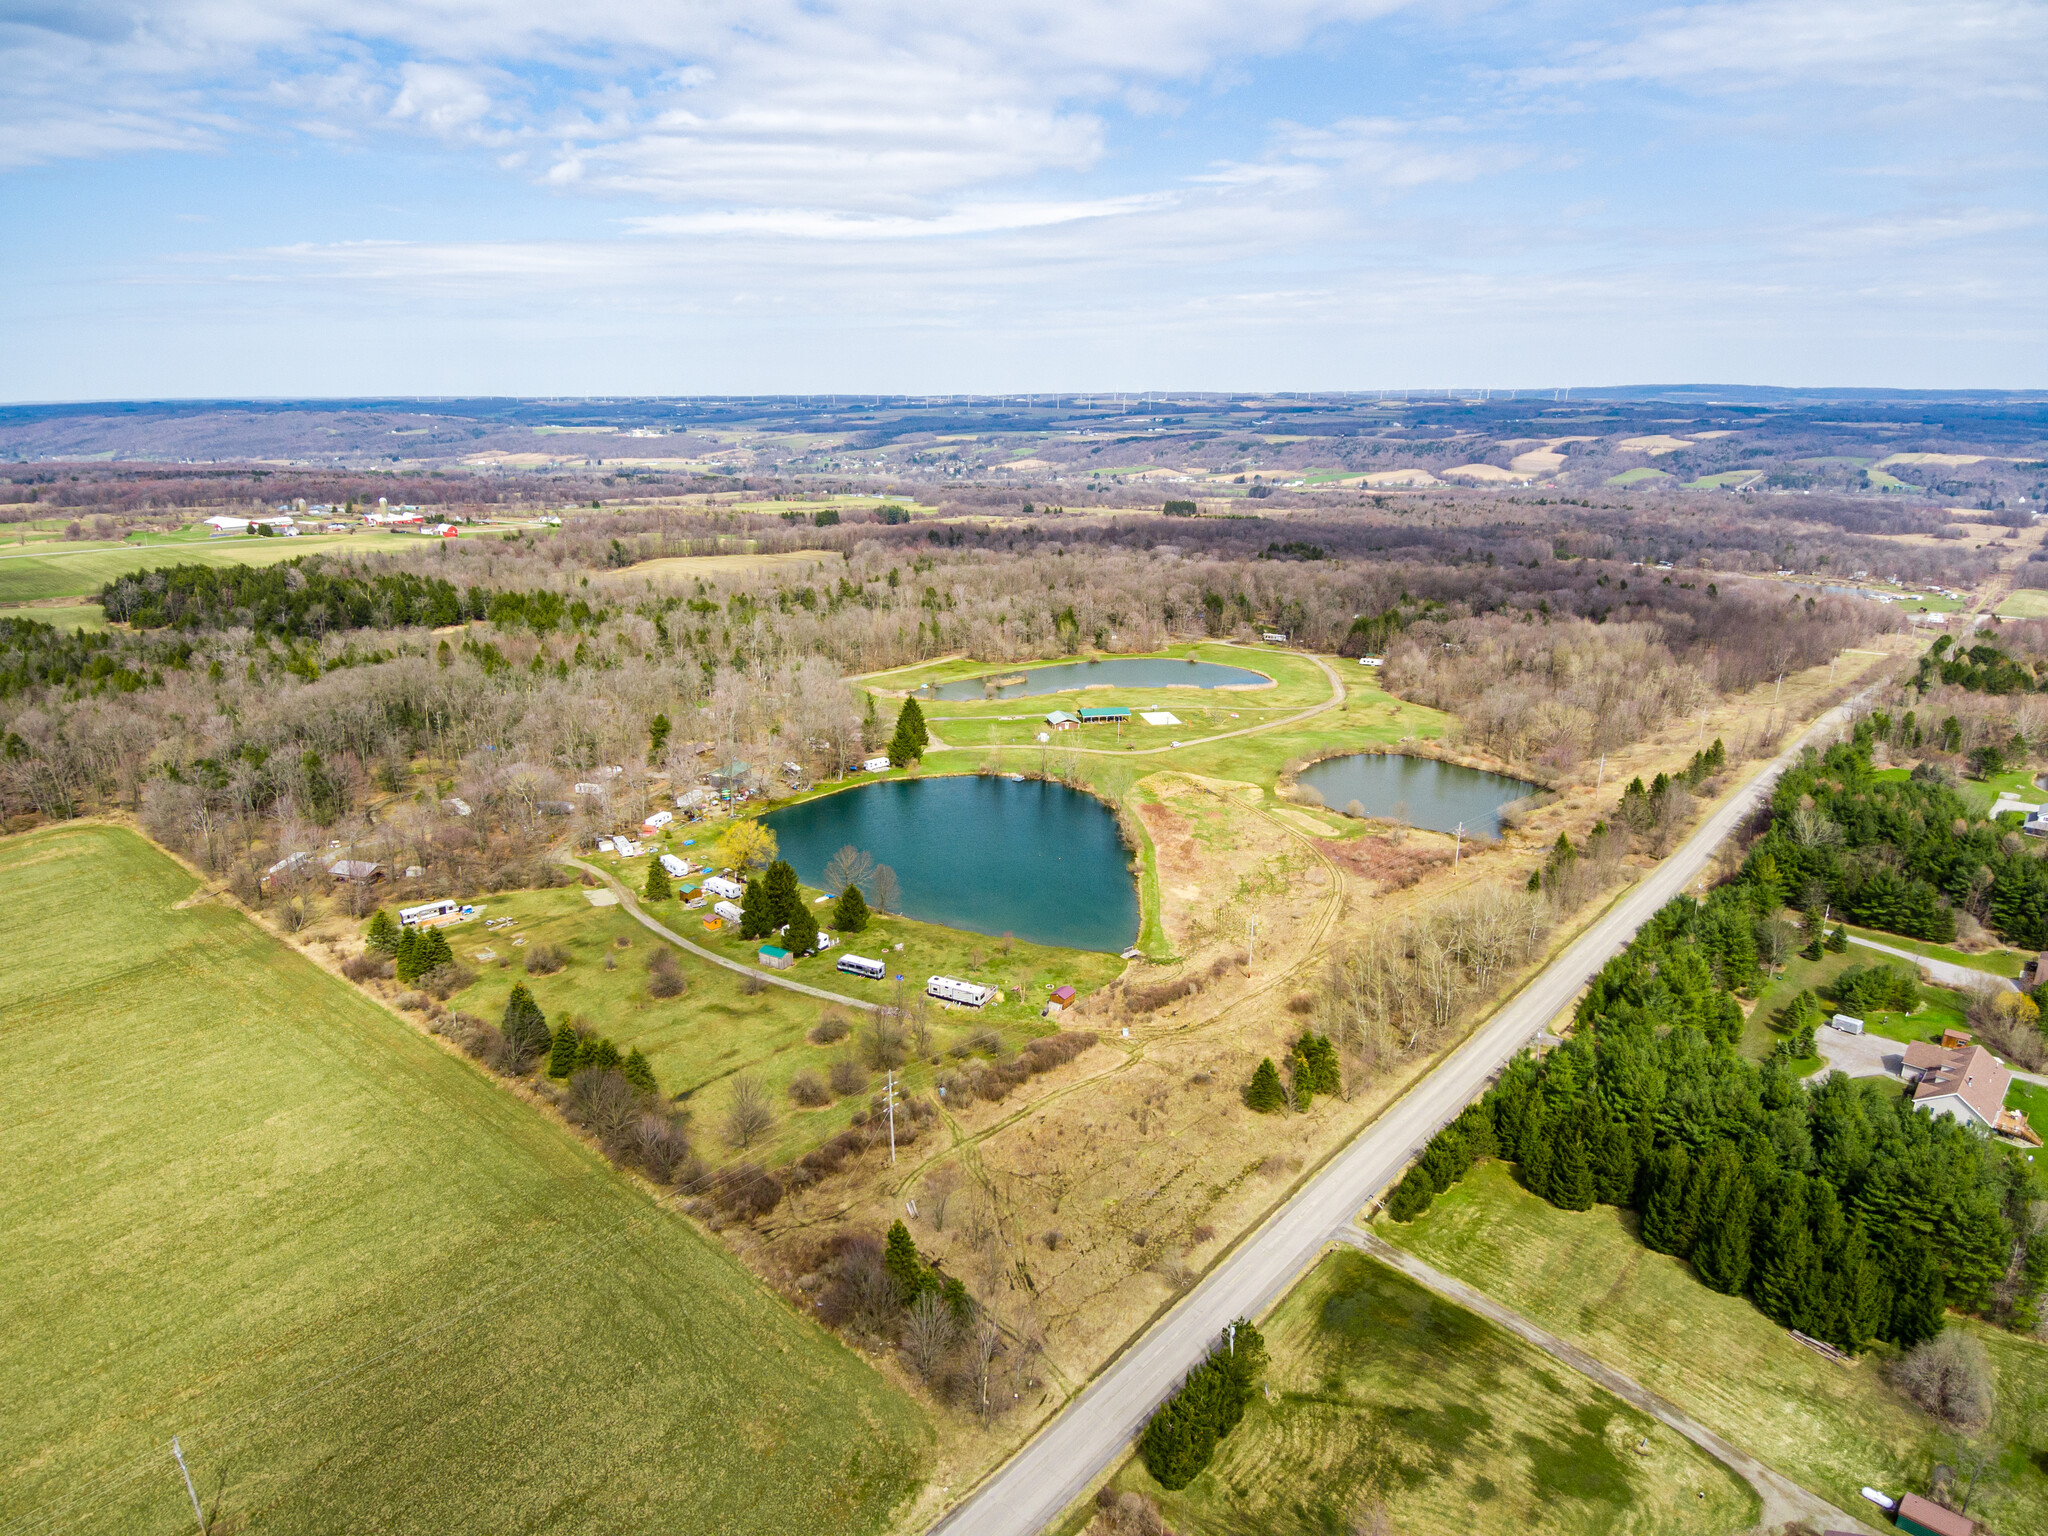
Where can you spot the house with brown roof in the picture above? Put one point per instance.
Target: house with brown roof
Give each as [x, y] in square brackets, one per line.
[1966, 1082]
[1924, 1517]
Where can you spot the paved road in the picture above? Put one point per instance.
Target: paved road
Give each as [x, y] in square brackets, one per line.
[1093, 1430]
[1783, 1500]
[1947, 972]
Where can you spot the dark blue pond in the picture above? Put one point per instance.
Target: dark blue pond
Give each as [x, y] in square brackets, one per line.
[986, 854]
[1418, 790]
[1133, 672]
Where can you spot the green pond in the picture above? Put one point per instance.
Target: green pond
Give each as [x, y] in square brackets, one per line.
[991, 855]
[1418, 790]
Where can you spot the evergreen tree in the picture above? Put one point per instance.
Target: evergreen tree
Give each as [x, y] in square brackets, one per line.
[1412, 1196]
[1537, 1153]
[597, 1054]
[433, 951]
[1666, 1226]
[1613, 1157]
[562, 1051]
[1720, 1249]
[1838, 940]
[382, 934]
[1919, 1297]
[1318, 1058]
[850, 912]
[524, 1024]
[785, 897]
[405, 956]
[906, 1267]
[802, 936]
[1571, 1178]
[754, 919]
[637, 1070]
[1788, 1284]
[911, 738]
[1302, 1076]
[656, 888]
[1446, 1159]
[1264, 1095]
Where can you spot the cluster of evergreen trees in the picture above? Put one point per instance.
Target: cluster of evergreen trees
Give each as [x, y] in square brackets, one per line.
[1838, 1209]
[571, 1050]
[914, 1277]
[1983, 668]
[413, 951]
[1893, 853]
[1644, 808]
[1183, 1433]
[773, 901]
[34, 656]
[1312, 1068]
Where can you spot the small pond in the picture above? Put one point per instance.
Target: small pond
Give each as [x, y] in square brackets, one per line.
[1129, 672]
[991, 855]
[1418, 790]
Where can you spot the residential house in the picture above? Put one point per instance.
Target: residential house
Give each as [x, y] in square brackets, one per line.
[1966, 1083]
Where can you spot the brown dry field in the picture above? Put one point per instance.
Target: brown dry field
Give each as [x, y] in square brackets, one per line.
[686, 567]
[1140, 1155]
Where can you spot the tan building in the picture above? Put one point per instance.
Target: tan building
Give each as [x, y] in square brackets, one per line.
[1966, 1082]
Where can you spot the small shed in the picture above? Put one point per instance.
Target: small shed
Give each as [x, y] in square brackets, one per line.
[1847, 1025]
[776, 958]
[1924, 1517]
[1064, 996]
[1060, 720]
[361, 870]
[1109, 714]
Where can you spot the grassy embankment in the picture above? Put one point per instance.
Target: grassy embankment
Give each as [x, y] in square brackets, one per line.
[1831, 1428]
[1383, 1392]
[717, 1028]
[251, 1208]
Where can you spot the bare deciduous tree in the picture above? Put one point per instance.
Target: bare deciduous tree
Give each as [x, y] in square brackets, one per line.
[929, 1333]
[748, 1113]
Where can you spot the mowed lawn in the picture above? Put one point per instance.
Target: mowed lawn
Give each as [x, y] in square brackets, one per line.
[65, 572]
[249, 1207]
[1831, 1428]
[1384, 1393]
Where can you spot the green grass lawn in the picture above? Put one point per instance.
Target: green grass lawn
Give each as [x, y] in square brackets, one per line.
[1998, 962]
[716, 1028]
[1939, 1009]
[1383, 1392]
[2025, 603]
[2031, 1100]
[251, 1208]
[58, 574]
[1833, 1429]
[1638, 476]
[59, 615]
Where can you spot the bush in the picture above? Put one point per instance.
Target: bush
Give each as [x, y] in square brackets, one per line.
[832, 1027]
[1950, 1377]
[848, 1077]
[665, 974]
[444, 981]
[807, 1090]
[545, 959]
[369, 966]
[746, 1191]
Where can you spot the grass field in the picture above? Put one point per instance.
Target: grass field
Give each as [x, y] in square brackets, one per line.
[2025, 603]
[60, 615]
[80, 572]
[1383, 1392]
[1940, 1009]
[716, 1029]
[2032, 1101]
[1638, 476]
[253, 1209]
[1831, 1428]
[1997, 962]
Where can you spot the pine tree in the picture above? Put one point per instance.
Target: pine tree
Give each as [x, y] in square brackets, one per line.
[1838, 940]
[850, 912]
[1919, 1306]
[1788, 1282]
[1666, 1227]
[1264, 1095]
[1571, 1178]
[1303, 1078]
[637, 1070]
[1411, 1197]
[906, 1267]
[1537, 1152]
[562, 1051]
[1613, 1156]
[1720, 1249]
[802, 936]
[754, 921]
[382, 934]
[1445, 1160]
[405, 956]
[785, 898]
[433, 951]
[656, 888]
[911, 738]
[524, 1024]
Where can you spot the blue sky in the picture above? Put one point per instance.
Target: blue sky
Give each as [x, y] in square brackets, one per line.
[271, 197]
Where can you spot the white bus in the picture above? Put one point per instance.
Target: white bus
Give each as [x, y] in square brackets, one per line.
[410, 915]
[856, 965]
[948, 990]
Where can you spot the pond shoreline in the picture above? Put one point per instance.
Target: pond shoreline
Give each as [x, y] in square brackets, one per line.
[1288, 785]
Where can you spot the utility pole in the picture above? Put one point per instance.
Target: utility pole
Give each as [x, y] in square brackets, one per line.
[1458, 848]
[1251, 941]
[890, 1095]
[1781, 689]
[1602, 777]
[197, 1513]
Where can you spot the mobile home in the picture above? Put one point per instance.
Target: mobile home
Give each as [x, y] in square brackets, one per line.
[948, 989]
